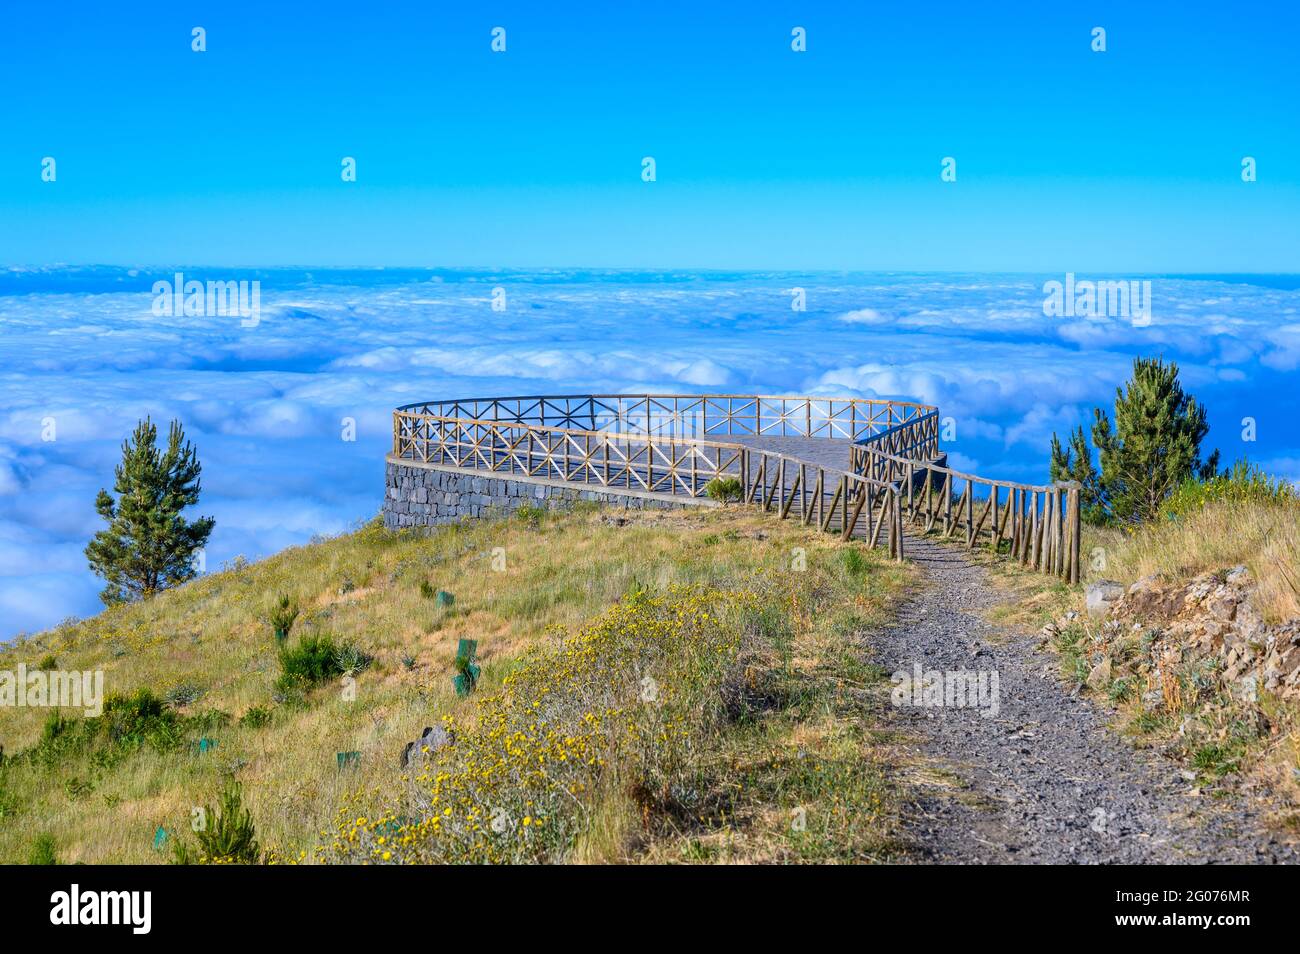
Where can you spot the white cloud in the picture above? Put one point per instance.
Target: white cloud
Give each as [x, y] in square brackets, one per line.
[862, 316]
[264, 405]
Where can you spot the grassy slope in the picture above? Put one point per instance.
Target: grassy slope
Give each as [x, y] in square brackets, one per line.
[1263, 536]
[365, 588]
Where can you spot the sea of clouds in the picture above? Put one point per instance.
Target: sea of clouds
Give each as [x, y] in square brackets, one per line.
[266, 405]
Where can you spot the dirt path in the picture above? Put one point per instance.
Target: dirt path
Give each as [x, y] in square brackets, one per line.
[1042, 779]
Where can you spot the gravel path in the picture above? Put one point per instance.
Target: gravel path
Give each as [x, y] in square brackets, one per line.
[1042, 780]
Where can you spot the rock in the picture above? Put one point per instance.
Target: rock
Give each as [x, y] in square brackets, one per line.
[1247, 690]
[430, 741]
[1099, 677]
[1102, 595]
[1222, 605]
[1145, 584]
[1249, 621]
[1238, 576]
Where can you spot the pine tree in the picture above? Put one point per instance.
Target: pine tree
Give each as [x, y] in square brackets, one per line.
[148, 545]
[1152, 447]
[1075, 463]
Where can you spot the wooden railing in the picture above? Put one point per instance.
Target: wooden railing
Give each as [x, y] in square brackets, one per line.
[1037, 525]
[841, 502]
[689, 415]
[676, 444]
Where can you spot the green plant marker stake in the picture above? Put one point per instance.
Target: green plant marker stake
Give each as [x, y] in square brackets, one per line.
[206, 745]
[467, 678]
[346, 759]
[159, 838]
[444, 599]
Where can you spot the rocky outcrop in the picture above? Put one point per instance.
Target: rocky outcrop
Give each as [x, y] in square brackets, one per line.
[1208, 626]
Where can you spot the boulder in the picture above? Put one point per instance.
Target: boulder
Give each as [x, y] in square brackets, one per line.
[1099, 677]
[1102, 595]
[430, 741]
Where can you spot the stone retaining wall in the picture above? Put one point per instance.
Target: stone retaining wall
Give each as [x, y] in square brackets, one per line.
[418, 495]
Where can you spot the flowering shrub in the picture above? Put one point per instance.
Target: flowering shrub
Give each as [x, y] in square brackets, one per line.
[620, 705]
[1243, 483]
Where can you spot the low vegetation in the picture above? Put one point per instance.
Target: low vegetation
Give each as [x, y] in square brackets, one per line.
[698, 722]
[1211, 527]
[720, 690]
[724, 489]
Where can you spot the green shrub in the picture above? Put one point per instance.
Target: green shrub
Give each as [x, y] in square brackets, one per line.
[43, 851]
[282, 616]
[724, 489]
[48, 663]
[183, 695]
[314, 660]
[855, 564]
[76, 788]
[128, 722]
[352, 660]
[55, 727]
[136, 719]
[427, 590]
[228, 837]
[1218, 759]
[530, 514]
[636, 590]
[256, 717]
[290, 689]
[1242, 483]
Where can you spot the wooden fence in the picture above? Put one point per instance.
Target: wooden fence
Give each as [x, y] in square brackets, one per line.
[1037, 525]
[689, 415]
[841, 502]
[676, 444]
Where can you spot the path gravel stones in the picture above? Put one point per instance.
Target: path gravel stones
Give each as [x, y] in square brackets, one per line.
[1042, 779]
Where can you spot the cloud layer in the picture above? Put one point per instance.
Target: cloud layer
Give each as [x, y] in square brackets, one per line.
[83, 358]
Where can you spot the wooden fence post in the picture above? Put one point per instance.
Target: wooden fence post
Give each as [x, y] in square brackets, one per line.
[1075, 530]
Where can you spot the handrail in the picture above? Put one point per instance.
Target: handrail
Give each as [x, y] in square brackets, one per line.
[842, 501]
[1040, 524]
[894, 472]
[807, 416]
[645, 438]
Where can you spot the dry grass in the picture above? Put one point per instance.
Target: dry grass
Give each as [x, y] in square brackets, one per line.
[1263, 536]
[802, 776]
[363, 588]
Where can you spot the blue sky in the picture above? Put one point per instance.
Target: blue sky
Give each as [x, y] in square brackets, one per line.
[1127, 160]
